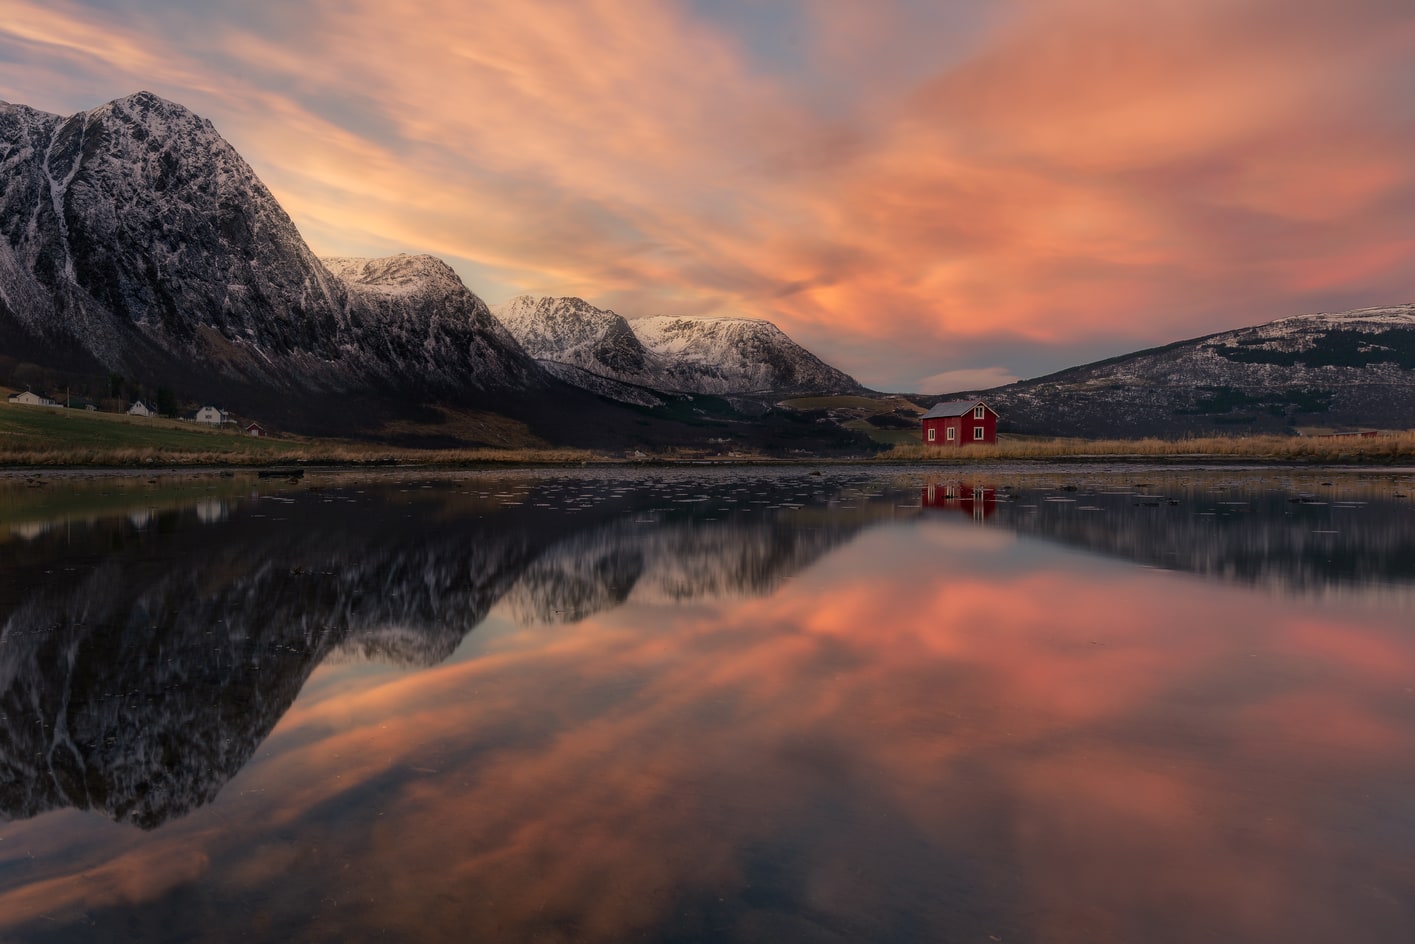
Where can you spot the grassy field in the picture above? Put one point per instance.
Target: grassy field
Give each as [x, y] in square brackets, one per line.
[39, 437]
[1389, 448]
[32, 436]
[30, 431]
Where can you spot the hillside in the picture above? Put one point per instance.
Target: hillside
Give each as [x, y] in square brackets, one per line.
[1339, 370]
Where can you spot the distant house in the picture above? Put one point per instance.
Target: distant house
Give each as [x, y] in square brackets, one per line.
[959, 422]
[212, 416]
[29, 398]
[140, 408]
[88, 405]
[255, 429]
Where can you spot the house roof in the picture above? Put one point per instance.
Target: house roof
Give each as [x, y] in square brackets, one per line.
[951, 408]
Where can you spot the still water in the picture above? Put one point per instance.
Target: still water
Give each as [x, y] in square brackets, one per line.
[864, 705]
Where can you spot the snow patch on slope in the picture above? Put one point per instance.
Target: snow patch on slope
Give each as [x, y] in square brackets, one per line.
[715, 354]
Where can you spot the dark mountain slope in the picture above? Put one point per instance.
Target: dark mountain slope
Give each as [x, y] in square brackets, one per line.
[136, 239]
[1348, 369]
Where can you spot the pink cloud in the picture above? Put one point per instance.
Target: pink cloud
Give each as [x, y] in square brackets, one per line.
[915, 188]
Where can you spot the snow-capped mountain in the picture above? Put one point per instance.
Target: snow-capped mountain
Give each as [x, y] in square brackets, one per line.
[671, 353]
[1354, 368]
[411, 315]
[134, 238]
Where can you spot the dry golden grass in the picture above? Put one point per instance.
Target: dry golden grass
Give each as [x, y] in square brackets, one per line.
[1391, 447]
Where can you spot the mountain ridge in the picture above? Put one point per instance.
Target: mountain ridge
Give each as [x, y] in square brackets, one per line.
[1348, 368]
[708, 354]
[139, 239]
[136, 244]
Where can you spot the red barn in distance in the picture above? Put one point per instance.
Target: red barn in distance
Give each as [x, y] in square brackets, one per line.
[959, 422]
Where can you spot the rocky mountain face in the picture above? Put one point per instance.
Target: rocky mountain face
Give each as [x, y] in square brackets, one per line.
[677, 354]
[136, 240]
[412, 316]
[1350, 369]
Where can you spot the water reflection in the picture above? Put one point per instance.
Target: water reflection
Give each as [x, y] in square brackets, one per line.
[141, 681]
[781, 709]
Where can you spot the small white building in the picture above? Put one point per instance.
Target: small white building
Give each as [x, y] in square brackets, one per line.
[29, 398]
[212, 416]
[140, 408]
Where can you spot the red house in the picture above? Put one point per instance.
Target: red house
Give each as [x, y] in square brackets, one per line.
[959, 422]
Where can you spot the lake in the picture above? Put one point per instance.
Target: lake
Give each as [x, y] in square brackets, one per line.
[693, 705]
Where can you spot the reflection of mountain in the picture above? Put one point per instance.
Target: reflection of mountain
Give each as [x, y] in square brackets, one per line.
[141, 668]
[1277, 539]
[141, 689]
[682, 560]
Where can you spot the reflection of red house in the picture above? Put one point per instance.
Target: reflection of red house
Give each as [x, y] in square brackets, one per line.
[978, 502]
[959, 422]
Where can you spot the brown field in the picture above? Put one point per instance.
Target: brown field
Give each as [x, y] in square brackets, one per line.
[1388, 447]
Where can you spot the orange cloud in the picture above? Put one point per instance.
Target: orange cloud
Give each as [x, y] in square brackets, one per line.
[911, 187]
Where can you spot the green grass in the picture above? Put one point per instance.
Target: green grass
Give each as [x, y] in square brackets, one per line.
[43, 437]
[28, 432]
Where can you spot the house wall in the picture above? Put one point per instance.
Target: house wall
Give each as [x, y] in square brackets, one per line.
[964, 426]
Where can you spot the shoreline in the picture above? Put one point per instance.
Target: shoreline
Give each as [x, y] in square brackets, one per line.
[1194, 462]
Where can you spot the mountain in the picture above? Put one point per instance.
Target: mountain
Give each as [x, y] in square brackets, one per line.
[412, 316]
[137, 241]
[586, 345]
[138, 249]
[1346, 369]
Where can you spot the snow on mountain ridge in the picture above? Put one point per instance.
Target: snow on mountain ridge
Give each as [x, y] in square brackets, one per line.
[420, 319]
[713, 354]
[134, 236]
[1351, 368]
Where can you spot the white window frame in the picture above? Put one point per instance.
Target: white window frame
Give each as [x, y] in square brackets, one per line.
[952, 433]
[979, 412]
[977, 433]
[933, 433]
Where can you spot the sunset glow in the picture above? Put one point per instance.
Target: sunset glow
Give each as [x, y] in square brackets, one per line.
[927, 195]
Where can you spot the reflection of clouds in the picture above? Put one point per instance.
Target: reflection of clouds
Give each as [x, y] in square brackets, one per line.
[1027, 746]
[131, 878]
[949, 536]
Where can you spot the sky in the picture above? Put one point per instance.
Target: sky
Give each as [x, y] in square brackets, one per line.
[933, 196]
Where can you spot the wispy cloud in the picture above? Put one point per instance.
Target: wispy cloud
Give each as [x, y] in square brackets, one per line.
[901, 192]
